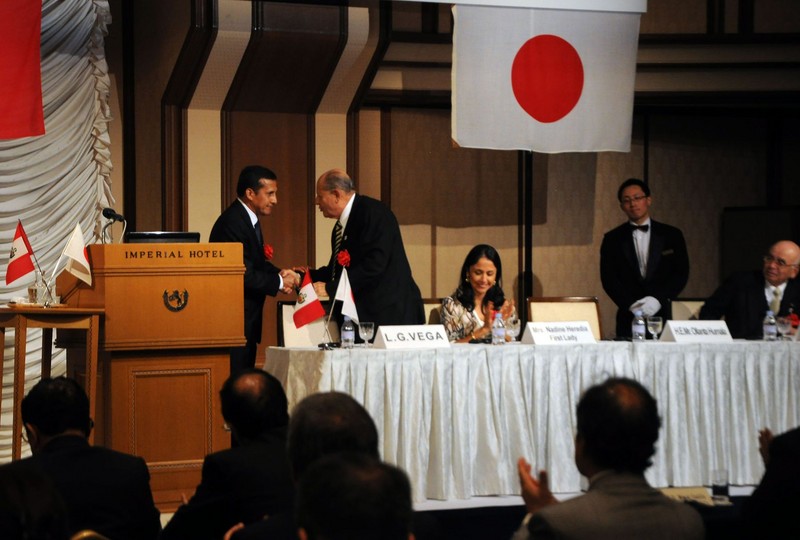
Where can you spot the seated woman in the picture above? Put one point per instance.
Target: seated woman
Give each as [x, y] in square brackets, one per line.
[467, 315]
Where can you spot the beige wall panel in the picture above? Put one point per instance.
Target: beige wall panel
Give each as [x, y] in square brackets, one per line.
[417, 240]
[369, 153]
[203, 170]
[331, 152]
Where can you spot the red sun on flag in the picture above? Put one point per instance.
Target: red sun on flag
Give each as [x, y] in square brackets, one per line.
[547, 77]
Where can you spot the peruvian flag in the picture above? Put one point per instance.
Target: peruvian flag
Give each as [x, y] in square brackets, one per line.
[548, 80]
[308, 308]
[21, 113]
[345, 293]
[77, 259]
[20, 261]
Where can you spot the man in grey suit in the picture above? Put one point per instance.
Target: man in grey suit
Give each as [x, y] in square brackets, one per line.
[618, 427]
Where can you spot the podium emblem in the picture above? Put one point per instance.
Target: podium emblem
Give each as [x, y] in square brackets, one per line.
[176, 301]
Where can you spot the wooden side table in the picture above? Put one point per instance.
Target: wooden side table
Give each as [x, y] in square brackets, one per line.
[20, 318]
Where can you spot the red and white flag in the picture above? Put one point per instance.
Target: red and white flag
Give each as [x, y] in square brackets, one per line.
[77, 258]
[20, 261]
[21, 113]
[308, 308]
[547, 80]
[345, 293]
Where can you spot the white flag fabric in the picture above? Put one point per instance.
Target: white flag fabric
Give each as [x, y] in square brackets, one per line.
[345, 293]
[547, 80]
[77, 260]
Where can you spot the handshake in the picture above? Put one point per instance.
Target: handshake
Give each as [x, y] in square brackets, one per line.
[291, 280]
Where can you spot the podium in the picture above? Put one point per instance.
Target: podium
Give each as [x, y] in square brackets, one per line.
[172, 313]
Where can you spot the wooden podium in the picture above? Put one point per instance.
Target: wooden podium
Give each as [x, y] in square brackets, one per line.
[172, 312]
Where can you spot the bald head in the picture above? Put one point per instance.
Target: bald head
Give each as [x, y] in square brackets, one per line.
[782, 262]
[334, 190]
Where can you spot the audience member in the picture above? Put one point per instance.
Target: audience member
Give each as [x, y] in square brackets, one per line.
[467, 314]
[744, 298]
[104, 490]
[253, 480]
[30, 506]
[618, 428]
[354, 497]
[643, 262]
[771, 511]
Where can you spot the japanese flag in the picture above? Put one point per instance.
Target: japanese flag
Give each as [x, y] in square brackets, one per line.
[547, 80]
[77, 260]
[345, 293]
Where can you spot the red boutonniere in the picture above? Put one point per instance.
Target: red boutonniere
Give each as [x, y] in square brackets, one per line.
[268, 251]
[343, 258]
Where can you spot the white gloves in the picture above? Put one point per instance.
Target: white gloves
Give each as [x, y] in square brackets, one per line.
[648, 306]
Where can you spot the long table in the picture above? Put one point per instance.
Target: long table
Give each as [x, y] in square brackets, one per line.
[456, 420]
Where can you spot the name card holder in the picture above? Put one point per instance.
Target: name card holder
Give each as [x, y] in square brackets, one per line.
[412, 336]
[696, 332]
[558, 333]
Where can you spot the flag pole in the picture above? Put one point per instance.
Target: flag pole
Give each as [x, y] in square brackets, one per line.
[36, 260]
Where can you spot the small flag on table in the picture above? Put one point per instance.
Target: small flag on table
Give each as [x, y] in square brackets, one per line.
[308, 307]
[345, 293]
[77, 259]
[20, 262]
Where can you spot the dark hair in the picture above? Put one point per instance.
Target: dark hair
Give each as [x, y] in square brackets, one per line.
[464, 293]
[250, 178]
[253, 402]
[632, 182]
[329, 423]
[30, 505]
[57, 405]
[354, 497]
[618, 421]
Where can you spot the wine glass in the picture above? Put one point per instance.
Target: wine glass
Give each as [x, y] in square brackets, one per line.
[784, 325]
[366, 330]
[654, 326]
[513, 327]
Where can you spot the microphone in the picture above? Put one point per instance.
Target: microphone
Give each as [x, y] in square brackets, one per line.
[109, 213]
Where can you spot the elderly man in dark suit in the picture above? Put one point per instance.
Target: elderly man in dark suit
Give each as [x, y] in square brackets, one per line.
[104, 490]
[744, 298]
[618, 427]
[380, 275]
[643, 263]
[257, 194]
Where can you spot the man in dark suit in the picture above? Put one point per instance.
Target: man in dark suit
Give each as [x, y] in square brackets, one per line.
[257, 194]
[744, 298]
[618, 428]
[104, 490]
[643, 263]
[251, 481]
[380, 276]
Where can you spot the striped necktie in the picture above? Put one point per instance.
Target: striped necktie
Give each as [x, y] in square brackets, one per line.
[337, 243]
[775, 305]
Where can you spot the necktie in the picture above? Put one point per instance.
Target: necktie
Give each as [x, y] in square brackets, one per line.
[775, 305]
[643, 228]
[257, 228]
[337, 243]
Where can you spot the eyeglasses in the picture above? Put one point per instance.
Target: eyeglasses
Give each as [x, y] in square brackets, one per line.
[780, 262]
[635, 199]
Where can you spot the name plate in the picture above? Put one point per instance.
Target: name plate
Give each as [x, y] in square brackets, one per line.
[558, 333]
[412, 336]
[697, 332]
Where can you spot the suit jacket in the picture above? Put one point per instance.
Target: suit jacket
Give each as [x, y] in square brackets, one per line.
[379, 273]
[242, 484]
[741, 300]
[771, 511]
[616, 506]
[667, 269]
[104, 490]
[261, 277]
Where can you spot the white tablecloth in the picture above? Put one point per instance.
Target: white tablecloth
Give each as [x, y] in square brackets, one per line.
[457, 419]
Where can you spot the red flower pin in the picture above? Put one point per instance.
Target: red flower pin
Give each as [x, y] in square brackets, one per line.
[343, 258]
[268, 251]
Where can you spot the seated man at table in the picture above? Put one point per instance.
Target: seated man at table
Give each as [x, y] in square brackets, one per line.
[618, 426]
[104, 490]
[744, 298]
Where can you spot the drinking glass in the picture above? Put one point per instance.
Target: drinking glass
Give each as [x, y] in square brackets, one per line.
[513, 328]
[719, 486]
[366, 330]
[654, 326]
[784, 327]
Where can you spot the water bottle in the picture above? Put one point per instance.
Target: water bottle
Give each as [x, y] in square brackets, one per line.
[770, 327]
[637, 326]
[498, 330]
[348, 334]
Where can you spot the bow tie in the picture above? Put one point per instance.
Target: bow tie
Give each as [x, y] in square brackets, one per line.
[643, 228]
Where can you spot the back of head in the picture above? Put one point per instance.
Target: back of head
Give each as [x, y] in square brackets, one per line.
[250, 176]
[329, 423]
[30, 505]
[253, 403]
[57, 405]
[354, 497]
[618, 423]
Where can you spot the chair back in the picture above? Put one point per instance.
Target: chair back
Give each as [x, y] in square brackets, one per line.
[433, 310]
[566, 308]
[309, 335]
[686, 309]
[87, 534]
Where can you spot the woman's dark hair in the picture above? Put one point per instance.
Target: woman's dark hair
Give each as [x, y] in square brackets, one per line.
[464, 293]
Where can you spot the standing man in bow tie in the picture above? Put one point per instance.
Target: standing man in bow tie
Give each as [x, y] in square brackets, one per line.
[643, 263]
[257, 193]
